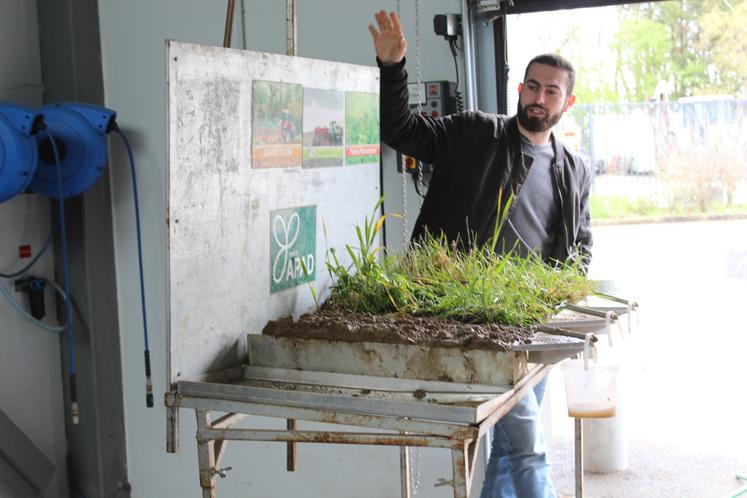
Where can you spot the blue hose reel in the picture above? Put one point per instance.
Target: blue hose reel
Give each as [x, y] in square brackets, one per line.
[27, 157]
[61, 151]
[18, 148]
[79, 131]
[31, 161]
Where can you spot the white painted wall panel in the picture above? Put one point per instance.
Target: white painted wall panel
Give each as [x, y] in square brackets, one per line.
[219, 202]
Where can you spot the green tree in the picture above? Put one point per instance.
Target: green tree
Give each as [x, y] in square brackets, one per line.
[595, 86]
[641, 47]
[724, 37]
[687, 59]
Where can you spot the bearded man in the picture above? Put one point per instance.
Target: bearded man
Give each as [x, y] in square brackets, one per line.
[476, 155]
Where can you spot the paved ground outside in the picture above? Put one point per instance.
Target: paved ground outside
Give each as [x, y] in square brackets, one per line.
[685, 395]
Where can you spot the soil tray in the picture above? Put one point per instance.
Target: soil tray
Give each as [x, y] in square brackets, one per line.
[406, 347]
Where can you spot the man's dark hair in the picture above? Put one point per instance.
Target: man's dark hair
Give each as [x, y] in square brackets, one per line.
[555, 60]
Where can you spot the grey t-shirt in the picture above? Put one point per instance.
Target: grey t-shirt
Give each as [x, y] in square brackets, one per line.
[535, 218]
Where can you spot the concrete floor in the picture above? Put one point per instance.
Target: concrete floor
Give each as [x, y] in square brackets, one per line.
[655, 471]
[685, 375]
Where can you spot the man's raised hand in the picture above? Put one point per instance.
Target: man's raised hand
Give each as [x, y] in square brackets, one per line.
[389, 40]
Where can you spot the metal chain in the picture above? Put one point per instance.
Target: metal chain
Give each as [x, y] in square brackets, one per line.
[413, 453]
[403, 175]
[419, 168]
[419, 172]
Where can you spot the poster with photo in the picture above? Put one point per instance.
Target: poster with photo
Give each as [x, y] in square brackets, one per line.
[362, 128]
[276, 124]
[323, 127]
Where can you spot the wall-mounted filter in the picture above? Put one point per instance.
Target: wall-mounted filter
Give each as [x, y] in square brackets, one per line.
[79, 133]
[18, 148]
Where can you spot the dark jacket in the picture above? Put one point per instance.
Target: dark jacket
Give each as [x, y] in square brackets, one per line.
[475, 155]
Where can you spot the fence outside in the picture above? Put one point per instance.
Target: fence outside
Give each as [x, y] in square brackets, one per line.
[691, 153]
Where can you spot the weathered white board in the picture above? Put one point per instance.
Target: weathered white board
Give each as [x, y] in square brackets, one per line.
[219, 207]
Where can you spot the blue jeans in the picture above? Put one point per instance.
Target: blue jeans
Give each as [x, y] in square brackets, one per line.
[518, 466]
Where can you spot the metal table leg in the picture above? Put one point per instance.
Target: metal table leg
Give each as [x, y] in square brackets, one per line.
[404, 471]
[172, 422]
[579, 449]
[205, 456]
[463, 462]
[291, 448]
[460, 461]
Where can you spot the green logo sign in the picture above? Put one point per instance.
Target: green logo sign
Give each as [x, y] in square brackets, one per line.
[292, 247]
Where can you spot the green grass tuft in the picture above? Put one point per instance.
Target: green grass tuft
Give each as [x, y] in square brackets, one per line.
[433, 278]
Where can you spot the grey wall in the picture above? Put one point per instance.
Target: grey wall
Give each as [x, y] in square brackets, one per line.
[112, 53]
[30, 368]
[485, 66]
[132, 42]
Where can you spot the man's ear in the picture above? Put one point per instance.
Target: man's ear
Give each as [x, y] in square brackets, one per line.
[570, 101]
[521, 85]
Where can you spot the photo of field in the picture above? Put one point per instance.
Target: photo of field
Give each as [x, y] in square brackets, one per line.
[323, 127]
[276, 124]
[362, 123]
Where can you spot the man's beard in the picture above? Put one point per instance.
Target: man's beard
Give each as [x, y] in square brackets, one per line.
[533, 123]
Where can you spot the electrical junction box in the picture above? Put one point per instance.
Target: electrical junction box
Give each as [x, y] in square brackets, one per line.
[415, 94]
[448, 25]
[439, 98]
[412, 165]
[489, 6]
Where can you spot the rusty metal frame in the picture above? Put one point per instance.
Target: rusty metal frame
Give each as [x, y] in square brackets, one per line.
[459, 438]
[230, 9]
[291, 27]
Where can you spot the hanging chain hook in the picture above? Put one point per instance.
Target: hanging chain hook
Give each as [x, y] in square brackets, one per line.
[404, 174]
[419, 165]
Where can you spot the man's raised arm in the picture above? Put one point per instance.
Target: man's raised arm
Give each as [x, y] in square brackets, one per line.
[425, 138]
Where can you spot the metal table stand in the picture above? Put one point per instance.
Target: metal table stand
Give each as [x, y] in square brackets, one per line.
[416, 422]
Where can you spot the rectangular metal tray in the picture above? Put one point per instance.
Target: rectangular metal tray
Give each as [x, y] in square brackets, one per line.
[451, 364]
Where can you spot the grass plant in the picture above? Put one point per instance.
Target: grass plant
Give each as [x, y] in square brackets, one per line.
[435, 278]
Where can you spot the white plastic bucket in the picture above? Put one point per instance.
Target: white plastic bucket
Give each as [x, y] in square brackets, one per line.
[605, 443]
[590, 393]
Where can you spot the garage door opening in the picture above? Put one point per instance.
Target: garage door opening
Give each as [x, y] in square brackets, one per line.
[661, 105]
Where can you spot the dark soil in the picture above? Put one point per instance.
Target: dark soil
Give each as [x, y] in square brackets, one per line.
[395, 328]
